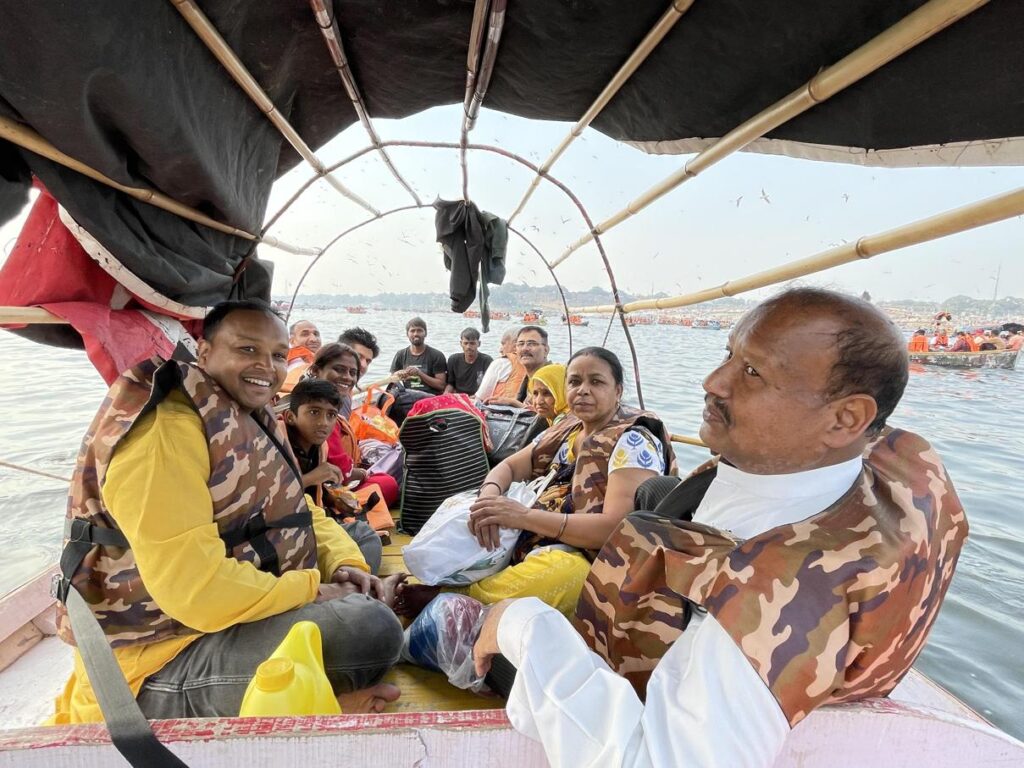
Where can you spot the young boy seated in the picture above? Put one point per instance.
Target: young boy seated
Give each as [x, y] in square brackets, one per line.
[312, 411]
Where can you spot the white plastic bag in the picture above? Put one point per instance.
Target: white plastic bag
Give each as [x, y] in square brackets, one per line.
[445, 553]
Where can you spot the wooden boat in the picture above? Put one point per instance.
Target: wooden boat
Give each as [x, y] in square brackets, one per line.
[575, 320]
[228, 173]
[988, 359]
[356, 310]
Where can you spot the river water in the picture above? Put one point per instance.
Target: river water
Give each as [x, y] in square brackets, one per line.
[975, 420]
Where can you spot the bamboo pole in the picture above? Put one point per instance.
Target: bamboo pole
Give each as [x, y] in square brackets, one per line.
[229, 60]
[480, 66]
[332, 36]
[696, 441]
[972, 216]
[916, 27]
[651, 41]
[29, 316]
[26, 138]
[41, 473]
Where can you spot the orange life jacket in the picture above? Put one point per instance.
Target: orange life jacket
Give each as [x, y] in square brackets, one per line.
[918, 344]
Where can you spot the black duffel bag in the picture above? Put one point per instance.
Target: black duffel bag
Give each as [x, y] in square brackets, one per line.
[445, 454]
[510, 429]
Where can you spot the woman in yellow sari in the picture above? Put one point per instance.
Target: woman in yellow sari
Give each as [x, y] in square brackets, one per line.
[549, 393]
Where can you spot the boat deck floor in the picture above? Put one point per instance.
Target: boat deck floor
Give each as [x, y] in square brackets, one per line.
[422, 689]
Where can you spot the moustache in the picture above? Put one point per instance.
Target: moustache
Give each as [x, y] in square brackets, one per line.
[719, 406]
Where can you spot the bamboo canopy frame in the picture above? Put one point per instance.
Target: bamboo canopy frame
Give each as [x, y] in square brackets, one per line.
[337, 238]
[26, 138]
[675, 12]
[216, 44]
[971, 216]
[483, 52]
[915, 28]
[332, 37]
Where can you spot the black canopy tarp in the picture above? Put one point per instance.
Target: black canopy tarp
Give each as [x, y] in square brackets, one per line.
[129, 89]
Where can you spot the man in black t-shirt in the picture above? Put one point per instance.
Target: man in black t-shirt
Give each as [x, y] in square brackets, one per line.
[419, 367]
[465, 370]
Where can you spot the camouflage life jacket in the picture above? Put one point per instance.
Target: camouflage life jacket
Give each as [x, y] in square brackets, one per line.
[583, 490]
[258, 503]
[829, 609]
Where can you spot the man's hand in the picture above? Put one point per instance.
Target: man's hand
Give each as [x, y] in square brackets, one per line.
[328, 592]
[486, 646]
[407, 373]
[325, 472]
[356, 475]
[365, 583]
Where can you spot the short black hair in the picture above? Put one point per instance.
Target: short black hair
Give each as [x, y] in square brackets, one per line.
[309, 390]
[219, 312]
[537, 328]
[871, 353]
[416, 322]
[609, 357]
[361, 336]
[470, 334]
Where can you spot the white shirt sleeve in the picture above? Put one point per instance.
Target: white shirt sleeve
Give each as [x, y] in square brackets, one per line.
[492, 376]
[706, 706]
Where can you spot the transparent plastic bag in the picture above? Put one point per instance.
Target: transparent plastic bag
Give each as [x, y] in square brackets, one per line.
[442, 638]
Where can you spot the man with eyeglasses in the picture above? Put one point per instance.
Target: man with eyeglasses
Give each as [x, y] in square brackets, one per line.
[532, 351]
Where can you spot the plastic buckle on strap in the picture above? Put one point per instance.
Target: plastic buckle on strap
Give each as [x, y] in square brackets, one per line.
[59, 587]
[77, 529]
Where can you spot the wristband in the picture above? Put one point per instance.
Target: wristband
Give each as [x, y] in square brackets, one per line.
[491, 482]
[565, 519]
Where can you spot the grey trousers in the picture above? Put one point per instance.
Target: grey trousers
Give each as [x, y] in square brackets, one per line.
[362, 639]
[368, 541]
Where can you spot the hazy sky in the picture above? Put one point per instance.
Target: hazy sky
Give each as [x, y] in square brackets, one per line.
[713, 228]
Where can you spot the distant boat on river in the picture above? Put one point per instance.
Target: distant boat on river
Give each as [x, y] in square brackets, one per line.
[1000, 358]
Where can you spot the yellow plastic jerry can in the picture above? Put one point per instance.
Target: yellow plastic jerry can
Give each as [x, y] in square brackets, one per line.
[292, 681]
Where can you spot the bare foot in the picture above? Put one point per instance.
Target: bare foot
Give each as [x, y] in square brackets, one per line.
[369, 699]
[411, 599]
[390, 586]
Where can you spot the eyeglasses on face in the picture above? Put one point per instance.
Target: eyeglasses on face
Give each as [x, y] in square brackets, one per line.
[529, 344]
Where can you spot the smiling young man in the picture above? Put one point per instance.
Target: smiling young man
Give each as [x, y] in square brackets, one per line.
[209, 549]
[803, 566]
[422, 368]
[365, 345]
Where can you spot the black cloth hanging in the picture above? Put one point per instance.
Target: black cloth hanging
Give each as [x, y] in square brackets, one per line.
[474, 243]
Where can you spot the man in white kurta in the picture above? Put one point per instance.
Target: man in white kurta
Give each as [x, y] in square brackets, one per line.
[790, 411]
